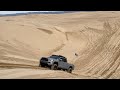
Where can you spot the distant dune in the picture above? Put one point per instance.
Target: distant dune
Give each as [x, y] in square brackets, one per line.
[94, 36]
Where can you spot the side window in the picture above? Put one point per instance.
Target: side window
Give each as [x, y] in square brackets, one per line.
[60, 59]
[64, 60]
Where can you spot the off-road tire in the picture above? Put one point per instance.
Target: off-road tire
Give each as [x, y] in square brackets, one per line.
[41, 65]
[69, 70]
[63, 69]
[54, 67]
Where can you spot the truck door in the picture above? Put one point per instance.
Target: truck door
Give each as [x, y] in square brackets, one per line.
[63, 63]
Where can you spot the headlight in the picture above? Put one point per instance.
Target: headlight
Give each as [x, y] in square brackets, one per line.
[51, 60]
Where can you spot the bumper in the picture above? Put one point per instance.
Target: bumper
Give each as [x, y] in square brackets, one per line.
[46, 63]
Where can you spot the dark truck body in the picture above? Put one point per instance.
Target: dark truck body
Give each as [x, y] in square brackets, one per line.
[56, 62]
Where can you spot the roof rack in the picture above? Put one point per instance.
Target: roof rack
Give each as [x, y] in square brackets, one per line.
[54, 55]
[57, 55]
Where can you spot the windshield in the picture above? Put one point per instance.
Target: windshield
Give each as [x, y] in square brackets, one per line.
[55, 57]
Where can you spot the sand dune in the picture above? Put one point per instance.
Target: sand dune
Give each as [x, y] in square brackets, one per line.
[94, 36]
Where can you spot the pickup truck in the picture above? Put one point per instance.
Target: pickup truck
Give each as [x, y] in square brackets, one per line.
[56, 62]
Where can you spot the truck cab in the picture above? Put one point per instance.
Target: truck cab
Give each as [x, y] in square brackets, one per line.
[56, 62]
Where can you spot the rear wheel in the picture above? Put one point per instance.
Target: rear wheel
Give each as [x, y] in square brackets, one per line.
[54, 67]
[69, 70]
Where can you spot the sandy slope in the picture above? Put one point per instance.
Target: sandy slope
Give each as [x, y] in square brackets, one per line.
[94, 36]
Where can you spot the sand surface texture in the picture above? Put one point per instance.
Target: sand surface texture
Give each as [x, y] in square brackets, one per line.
[94, 36]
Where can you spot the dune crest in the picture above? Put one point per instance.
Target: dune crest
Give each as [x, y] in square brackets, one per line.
[89, 40]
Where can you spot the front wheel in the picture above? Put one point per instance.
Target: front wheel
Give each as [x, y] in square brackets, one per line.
[41, 65]
[69, 70]
[54, 67]
[63, 69]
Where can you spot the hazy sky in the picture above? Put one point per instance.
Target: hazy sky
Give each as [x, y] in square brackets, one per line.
[12, 12]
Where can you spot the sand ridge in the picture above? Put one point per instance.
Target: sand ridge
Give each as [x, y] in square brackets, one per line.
[94, 36]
